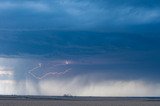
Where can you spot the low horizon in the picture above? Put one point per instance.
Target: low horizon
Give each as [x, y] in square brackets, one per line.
[72, 96]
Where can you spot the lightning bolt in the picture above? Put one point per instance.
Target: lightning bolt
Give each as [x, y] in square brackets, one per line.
[50, 73]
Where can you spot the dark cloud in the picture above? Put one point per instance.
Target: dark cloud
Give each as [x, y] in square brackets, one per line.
[107, 54]
[137, 3]
[79, 15]
[58, 43]
[105, 39]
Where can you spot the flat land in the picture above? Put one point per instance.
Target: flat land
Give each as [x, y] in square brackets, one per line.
[76, 101]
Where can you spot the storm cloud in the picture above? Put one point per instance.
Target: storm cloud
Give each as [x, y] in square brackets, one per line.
[103, 15]
[114, 43]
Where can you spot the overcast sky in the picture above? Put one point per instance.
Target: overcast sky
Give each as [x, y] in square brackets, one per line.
[80, 47]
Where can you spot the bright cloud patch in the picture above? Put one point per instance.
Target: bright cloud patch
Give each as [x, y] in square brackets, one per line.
[39, 7]
[5, 72]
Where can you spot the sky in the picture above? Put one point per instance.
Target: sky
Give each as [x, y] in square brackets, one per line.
[80, 47]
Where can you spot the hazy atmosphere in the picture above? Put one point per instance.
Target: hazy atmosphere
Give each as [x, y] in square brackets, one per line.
[80, 47]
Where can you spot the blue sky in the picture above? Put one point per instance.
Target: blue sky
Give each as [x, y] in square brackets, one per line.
[95, 46]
